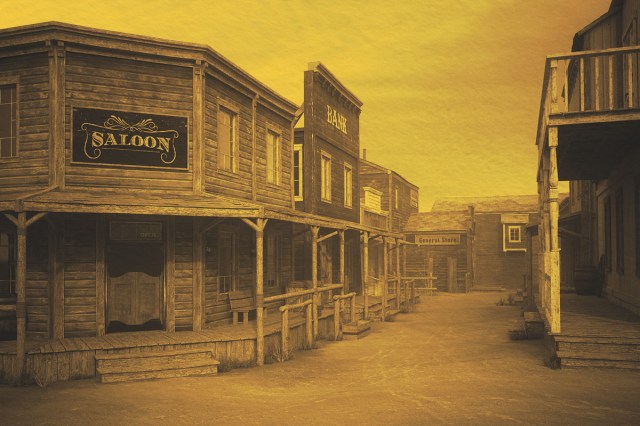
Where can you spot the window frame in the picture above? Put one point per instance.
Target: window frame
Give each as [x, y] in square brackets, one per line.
[619, 230]
[234, 141]
[297, 148]
[276, 155]
[514, 228]
[348, 185]
[325, 177]
[13, 81]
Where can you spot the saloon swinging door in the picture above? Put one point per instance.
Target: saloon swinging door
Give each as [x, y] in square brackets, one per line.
[135, 276]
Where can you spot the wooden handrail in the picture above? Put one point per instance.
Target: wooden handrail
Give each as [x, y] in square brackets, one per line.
[294, 305]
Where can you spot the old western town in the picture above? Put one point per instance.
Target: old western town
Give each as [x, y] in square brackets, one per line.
[167, 215]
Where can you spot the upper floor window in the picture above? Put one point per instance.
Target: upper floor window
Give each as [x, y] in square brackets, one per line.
[8, 121]
[227, 139]
[414, 198]
[7, 263]
[396, 197]
[325, 176]
[514, 234]
[297, 172]
[372, 199]
[348, 185]
[273, 151]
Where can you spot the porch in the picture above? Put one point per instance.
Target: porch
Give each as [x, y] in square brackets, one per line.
[596, 333]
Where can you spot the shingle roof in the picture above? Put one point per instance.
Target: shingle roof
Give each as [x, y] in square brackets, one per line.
[437, 221]
[498, 204]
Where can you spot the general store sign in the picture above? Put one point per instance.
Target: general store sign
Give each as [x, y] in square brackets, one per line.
[439, 239]
[129, 139]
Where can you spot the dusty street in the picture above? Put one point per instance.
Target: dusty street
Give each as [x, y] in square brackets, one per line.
[449, 362]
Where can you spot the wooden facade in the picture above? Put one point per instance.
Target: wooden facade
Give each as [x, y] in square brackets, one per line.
[144, 181]
[586, 132]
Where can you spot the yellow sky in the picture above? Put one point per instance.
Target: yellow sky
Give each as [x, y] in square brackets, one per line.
[451, 89]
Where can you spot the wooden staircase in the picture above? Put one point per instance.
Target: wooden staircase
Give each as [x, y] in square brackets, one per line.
[600, 351]
[123, 367]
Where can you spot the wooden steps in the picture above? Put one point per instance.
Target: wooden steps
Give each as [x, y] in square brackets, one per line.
[356, 330]
[598, 351]
[155, 365]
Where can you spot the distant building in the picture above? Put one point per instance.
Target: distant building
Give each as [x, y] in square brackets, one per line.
[475, 242]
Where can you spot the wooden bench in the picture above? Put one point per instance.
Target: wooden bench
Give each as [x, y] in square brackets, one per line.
[241, 301]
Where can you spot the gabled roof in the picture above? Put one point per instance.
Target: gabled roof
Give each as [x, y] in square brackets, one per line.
[381, 169]
[437, 221]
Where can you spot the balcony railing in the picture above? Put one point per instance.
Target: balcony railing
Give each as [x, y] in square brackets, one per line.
[599, 81]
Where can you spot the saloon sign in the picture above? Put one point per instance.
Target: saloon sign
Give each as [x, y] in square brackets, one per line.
[130, 139]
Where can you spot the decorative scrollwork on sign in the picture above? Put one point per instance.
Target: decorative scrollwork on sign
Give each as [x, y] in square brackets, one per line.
[117, 123]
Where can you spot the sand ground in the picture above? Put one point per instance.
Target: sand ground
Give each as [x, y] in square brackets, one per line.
[448, 362]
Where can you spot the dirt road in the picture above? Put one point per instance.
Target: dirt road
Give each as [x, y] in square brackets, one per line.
[449, 362]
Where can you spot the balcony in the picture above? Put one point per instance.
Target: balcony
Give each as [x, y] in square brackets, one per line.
[592, 100]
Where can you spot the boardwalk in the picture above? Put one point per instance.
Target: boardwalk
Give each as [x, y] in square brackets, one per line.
[449, 362]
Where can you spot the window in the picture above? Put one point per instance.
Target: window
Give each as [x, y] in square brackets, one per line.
[607, 233]
[396, 203]
[372, 199]
[325, 176]
[619, 232]
[348, 185]
[7, 263]
[297, 172]
[272, 260]
[414, 198]
[226, 262]
[227, 139]
[8, 121]
[514, 234]
[273, 166]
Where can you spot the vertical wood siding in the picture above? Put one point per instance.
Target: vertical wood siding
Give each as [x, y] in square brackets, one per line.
[80, 276]
[37, 288]
[127, 85]
[184, 273]
[30, 170]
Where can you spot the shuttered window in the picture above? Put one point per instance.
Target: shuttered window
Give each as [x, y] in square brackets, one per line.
[8, 121]
[297, 172]
[348, 185]
[227, 140]
[325, 176]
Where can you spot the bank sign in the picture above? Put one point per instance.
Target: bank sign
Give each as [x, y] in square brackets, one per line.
[129, 139]
[439, 239]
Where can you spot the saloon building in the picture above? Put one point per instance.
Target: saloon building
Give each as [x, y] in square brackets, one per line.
[152, 194]
[587, 135]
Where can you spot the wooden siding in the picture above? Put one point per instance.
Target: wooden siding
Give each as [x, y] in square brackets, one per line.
[127, 85]
[184, 273]
[37, 286]
[417, 260]
[30, 170]
[268, 193]
[217, 181]
[400, 215]
[80, 276]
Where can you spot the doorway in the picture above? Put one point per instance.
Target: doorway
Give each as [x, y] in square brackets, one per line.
[135, 276]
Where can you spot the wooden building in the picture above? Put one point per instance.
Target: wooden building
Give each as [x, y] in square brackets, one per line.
[144, 184]
[587, 135]
[475, 242]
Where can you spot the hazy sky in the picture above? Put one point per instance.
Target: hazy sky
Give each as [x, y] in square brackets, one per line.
[451, 89]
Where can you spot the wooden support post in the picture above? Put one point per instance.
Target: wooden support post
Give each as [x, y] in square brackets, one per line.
[314, 276]
[336, 319]
[581, 84]
[554, 85]
[101, 277]
[57, 63]
[199, 69]
[365, 273]
[309, 326]
[398, 276]
[610, 79]
[285, 333]
[566, 86]
[56, 279]
[171, 274]
[342, 270]
[385, 274]
[353, 308]
[596, 61]
[261, 223]
[554, 258]
[198, 274]
[21, 275]
[630, 80]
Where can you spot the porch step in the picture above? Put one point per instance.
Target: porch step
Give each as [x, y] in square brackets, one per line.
[609, 352]
[356, 330]
[155, 365]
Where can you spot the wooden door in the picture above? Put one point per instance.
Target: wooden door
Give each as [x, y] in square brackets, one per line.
[452, 276]
[134, 287]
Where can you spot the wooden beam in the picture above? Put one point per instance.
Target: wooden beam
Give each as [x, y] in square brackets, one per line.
[260, 225]
[171, 275]
[21, 275]
[35, 218]
[198, 273]
[314, 276]
[327, 236]
[206, 227]
[385, 272]
[365, 273]
[342, 265]
[398, 275]
[254, 148]
[198, 138]
[101, 276]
